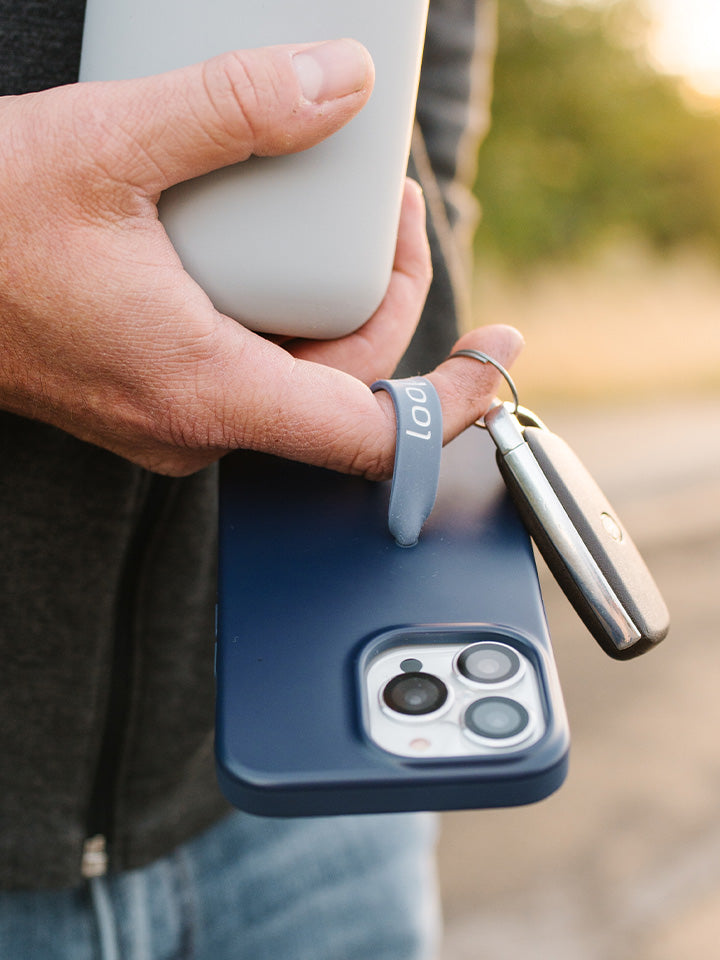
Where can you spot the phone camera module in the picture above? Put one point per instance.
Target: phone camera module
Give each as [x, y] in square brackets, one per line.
[415, 694]
[489, 663]
[497, 718]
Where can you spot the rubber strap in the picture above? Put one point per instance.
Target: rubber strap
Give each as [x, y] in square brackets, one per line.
[418, 449]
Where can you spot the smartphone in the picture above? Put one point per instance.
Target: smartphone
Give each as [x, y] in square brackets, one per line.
[354, 675]
[301, 245]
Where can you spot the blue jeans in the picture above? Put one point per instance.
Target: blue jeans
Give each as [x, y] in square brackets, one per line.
[345, 888]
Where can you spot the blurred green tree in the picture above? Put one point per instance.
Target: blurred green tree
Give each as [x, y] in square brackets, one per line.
[588, 140]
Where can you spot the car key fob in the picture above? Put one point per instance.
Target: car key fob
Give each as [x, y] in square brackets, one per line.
[578, 533]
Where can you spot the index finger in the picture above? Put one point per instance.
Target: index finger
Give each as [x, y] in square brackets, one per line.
[323, 416]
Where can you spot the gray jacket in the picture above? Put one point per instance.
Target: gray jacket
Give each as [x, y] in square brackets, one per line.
[106, 603]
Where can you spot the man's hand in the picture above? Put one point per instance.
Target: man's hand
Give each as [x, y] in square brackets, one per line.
[103, 334]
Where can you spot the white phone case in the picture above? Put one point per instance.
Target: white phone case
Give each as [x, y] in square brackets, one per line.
[300, 245]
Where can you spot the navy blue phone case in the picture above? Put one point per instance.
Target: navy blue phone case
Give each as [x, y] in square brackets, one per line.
[310, 584]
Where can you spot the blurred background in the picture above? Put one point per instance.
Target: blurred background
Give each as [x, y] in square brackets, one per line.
[600, 240]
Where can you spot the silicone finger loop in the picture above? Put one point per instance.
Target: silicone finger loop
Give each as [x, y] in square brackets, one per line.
[418, 450]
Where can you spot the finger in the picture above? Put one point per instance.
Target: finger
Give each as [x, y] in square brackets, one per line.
[466, 386]
[261, 398]
[373, 351]
[269, 101]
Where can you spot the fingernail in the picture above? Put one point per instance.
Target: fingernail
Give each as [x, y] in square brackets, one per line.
[332, 70]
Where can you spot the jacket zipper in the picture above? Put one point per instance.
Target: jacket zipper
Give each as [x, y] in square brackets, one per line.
[100, 831]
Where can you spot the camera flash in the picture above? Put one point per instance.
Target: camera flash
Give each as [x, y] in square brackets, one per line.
[420, 744]
[411, 665]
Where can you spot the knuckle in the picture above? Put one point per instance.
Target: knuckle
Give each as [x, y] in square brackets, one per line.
[372, 466]
[374, 451]
[372, 461]
[240, 92]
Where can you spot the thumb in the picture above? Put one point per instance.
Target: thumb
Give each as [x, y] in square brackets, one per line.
[268, 101]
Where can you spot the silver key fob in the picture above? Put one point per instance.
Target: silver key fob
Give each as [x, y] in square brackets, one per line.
[579, 535]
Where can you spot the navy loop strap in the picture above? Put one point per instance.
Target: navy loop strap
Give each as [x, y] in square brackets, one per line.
[417, 455]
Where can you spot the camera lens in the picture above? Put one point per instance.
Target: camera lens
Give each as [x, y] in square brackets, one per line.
[488, 663]
[496, 718]
[415, 694]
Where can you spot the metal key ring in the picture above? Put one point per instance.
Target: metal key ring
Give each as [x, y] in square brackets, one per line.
[484, 358]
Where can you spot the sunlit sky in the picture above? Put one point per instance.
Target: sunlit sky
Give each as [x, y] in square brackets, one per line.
[687, 41]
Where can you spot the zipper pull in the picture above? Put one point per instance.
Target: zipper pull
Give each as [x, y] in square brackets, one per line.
[94, 861]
